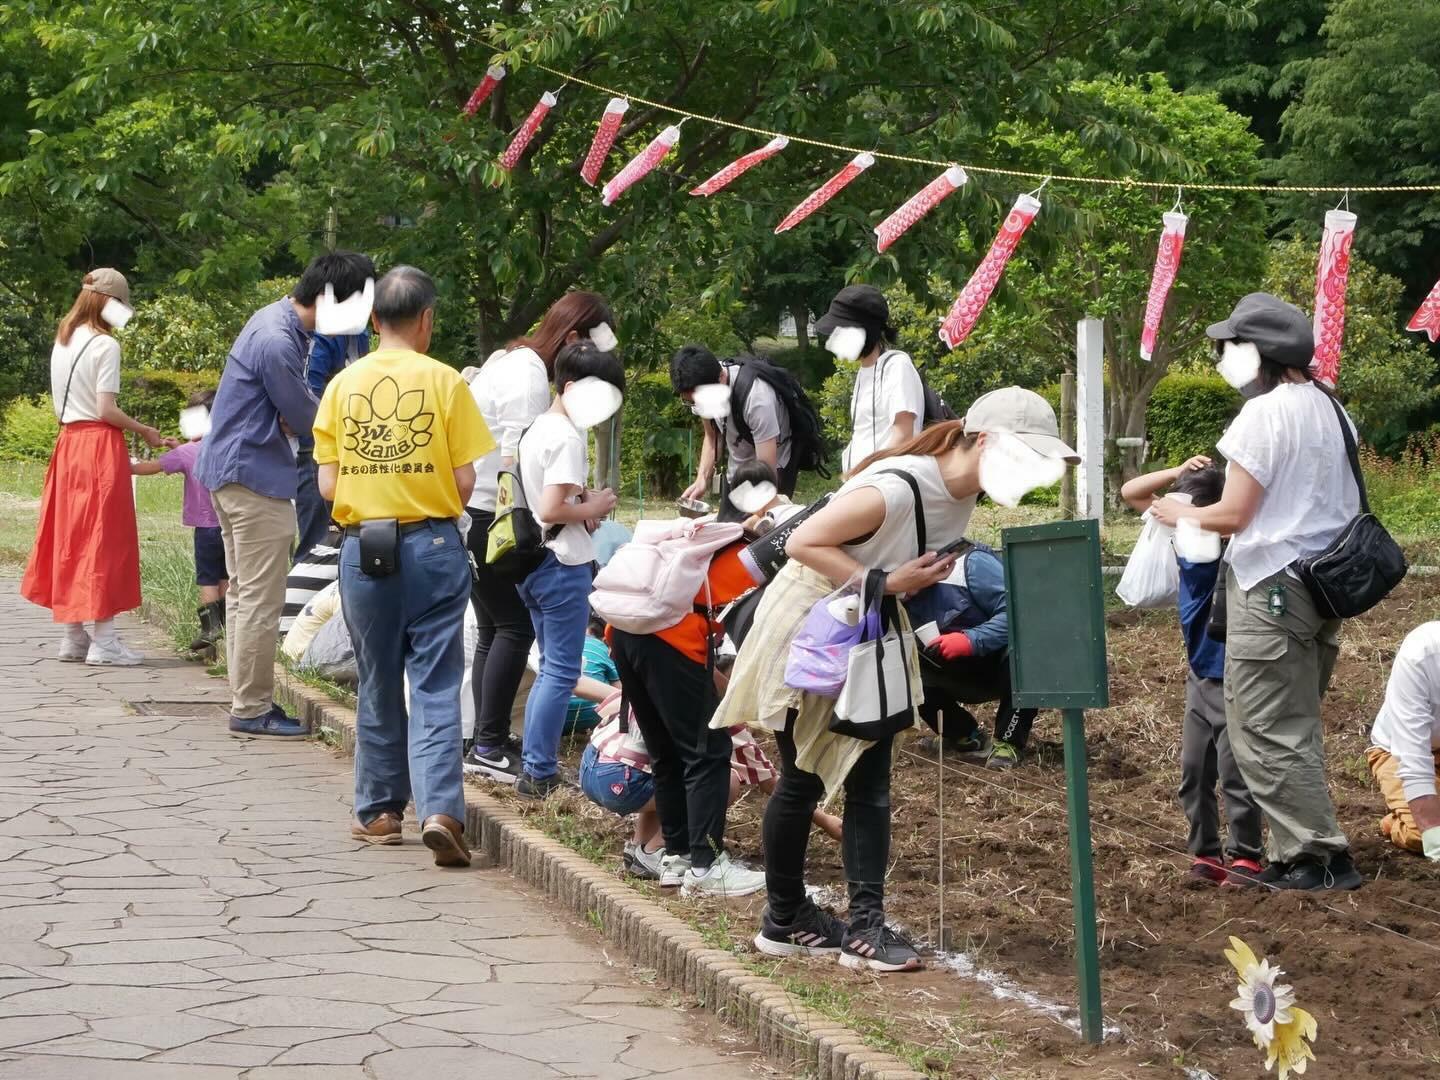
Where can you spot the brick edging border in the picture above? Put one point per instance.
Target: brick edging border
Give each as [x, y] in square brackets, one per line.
[790, 1035]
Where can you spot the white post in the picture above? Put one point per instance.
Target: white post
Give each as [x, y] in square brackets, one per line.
[1090, 417]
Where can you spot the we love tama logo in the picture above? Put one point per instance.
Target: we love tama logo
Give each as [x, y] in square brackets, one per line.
[387, 425]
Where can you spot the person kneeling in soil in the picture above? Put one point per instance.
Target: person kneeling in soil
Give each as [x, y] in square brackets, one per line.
[1205, 756]
[969, 662]
[1404, 755]
[615, 775]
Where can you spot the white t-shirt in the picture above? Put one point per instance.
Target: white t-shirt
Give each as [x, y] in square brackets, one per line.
[765, 418]
[511, 390]
[1409, 722]
[1289, 439]
[96, 373]
[553, 452]
[894, 542]
[876, 402]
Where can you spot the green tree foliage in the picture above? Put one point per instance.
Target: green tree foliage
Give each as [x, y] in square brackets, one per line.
[1386, 376]
[1370, 114]
[203, 144]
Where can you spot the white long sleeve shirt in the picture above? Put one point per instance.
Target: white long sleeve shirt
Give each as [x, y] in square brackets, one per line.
[1409, 722]
[511, 390]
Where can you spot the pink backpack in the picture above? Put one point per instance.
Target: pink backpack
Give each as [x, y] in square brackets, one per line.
[650, 584]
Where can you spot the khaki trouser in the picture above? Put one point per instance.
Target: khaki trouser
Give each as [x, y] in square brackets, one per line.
[1398, 826]
[1276, 668]
[258, 532]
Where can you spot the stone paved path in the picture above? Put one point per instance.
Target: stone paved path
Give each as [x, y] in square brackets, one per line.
[179, 905]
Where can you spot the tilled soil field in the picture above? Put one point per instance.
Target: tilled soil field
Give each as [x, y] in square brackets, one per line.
[1365, 964]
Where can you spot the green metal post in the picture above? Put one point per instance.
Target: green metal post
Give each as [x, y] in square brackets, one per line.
[1082, 876]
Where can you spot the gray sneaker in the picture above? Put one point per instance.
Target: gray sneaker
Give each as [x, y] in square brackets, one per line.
[641, 863]
[722, 878]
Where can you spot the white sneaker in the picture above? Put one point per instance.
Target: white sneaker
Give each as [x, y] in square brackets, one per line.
[73, 647]
[673, 869]
[723, 878]
[112, 653]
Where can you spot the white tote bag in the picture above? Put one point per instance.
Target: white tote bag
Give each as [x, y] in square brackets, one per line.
[1152, 576]
[878, 698]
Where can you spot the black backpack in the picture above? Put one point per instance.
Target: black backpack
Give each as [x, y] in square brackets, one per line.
[809, 449]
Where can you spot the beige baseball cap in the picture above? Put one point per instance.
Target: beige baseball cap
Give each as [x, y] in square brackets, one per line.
[108, 282]
[1023, 413]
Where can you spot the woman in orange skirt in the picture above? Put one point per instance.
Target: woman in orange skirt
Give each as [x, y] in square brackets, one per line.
[85, 566]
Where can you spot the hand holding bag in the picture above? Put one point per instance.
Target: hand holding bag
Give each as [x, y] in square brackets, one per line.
[878, 699]
[819, 657]
[1152, 576]
[1362, 564]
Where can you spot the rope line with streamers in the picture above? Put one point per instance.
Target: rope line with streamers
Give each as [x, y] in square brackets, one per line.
[991, 170]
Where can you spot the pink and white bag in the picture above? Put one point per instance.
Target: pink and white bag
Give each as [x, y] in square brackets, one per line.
[650, 583]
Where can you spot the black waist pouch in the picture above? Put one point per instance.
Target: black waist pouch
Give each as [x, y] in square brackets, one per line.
[379, 546]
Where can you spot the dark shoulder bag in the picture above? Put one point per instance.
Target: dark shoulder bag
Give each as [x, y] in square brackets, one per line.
[1362, 564]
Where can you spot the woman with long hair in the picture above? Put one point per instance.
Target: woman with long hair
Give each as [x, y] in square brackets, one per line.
[512, 389]
[1289, 492]
[85, 566]
[870, 524]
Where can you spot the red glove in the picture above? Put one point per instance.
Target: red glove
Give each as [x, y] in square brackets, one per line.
[952, 646]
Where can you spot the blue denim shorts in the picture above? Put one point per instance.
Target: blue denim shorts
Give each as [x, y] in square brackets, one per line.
[209, 556]
[621, 789]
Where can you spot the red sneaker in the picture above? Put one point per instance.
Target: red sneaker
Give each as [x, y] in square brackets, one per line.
[1244, 874]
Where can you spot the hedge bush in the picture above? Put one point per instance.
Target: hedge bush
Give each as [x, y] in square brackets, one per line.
[660, 437]
[1186, 416]
[28, 430]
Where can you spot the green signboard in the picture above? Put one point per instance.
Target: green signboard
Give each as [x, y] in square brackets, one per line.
[1056, 599]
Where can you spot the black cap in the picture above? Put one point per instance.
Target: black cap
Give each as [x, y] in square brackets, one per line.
[1281, 331]
[857, 305]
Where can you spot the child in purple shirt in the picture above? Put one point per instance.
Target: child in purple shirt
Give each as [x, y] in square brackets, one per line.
[198, 512]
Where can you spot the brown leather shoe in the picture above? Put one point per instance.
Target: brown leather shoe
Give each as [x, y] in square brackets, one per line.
[445, 836]
[383, 829]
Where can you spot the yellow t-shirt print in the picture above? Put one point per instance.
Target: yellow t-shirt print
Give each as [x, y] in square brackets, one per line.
[397, 424]
[387, 425]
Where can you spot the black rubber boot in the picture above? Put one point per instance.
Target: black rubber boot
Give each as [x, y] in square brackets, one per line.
[212, 625]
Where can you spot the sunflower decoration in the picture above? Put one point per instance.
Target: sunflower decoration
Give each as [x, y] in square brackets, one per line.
[1279, 1027]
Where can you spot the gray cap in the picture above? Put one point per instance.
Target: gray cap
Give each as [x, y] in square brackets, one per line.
[108, 282]
[1281, 331]
[1023, 413]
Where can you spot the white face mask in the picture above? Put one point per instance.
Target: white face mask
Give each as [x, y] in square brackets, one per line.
[1239, 363]
[1011, 468]
[345, 317]
[712, 401]
[846, 342]
[751, 498]
[604, 338]
[116, 313]
[591, 401]
[195, 422]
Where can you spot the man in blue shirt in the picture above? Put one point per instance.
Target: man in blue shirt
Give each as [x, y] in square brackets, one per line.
[969, 662]
[248, 465]
[329, 355]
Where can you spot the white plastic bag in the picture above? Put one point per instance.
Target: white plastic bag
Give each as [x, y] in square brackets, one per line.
[1152, 576]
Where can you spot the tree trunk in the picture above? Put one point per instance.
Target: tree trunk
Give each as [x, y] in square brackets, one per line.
[800, 312]
[608, 452]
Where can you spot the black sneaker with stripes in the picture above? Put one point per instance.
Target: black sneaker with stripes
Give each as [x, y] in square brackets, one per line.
[815, 932]
[879, 948]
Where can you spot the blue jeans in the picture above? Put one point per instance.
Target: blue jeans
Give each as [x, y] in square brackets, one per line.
[410, 623]
[558, 597]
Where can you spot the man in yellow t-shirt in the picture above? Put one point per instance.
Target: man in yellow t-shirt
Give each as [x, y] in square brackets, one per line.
[394, 439]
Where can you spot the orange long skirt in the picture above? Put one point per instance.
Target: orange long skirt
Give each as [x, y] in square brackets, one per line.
[85, 566]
